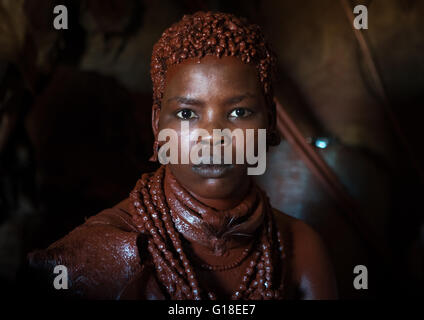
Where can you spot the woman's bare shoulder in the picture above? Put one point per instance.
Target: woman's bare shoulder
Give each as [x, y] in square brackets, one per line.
[100, 255]
[312, 269]
[300, 230]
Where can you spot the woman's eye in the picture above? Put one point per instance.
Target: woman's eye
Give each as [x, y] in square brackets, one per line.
[240, 113]
[186, 114]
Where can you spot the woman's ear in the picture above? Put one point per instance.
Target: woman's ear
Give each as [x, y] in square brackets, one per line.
[155, 120]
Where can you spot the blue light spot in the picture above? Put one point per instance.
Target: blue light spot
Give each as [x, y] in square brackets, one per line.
[321, 143]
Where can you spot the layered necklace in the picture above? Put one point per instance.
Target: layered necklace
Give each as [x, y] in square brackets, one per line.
[164, 211]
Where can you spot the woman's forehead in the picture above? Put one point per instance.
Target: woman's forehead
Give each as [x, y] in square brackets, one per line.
[211, 76]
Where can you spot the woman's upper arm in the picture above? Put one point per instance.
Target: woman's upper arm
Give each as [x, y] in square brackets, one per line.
[312, 268]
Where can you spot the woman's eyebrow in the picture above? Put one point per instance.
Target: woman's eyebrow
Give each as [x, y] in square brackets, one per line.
[239, 98]
[186, 100]
[228, 101]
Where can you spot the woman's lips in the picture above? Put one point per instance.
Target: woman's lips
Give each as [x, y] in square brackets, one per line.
[212, 170]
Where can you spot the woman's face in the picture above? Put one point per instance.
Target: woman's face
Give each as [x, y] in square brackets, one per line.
[212, 94]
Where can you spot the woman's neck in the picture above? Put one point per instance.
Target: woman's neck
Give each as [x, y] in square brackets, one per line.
[225, 203]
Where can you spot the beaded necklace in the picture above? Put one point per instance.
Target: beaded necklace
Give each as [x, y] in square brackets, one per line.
[152, 216]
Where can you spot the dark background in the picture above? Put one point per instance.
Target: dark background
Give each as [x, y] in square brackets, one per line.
[75, 135]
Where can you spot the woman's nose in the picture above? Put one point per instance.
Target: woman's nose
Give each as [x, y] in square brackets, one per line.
[216, 139]
[215, 127]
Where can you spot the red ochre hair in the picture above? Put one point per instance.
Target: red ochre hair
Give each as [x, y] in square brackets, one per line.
[218, 34]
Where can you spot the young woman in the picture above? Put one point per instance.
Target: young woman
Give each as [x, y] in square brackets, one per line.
[198, 231]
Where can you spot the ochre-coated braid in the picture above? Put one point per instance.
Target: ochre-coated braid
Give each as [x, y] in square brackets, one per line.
[174, 235]
[179, 289]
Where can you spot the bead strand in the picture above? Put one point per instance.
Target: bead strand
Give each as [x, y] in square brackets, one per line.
[153, 217]
[170, 262]
[166, 216]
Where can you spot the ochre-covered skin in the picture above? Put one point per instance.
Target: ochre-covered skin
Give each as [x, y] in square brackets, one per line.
[103, 256]
[107, 258]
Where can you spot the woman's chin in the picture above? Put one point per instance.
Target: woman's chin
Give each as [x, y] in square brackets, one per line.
[211, 181]
[221, 186]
